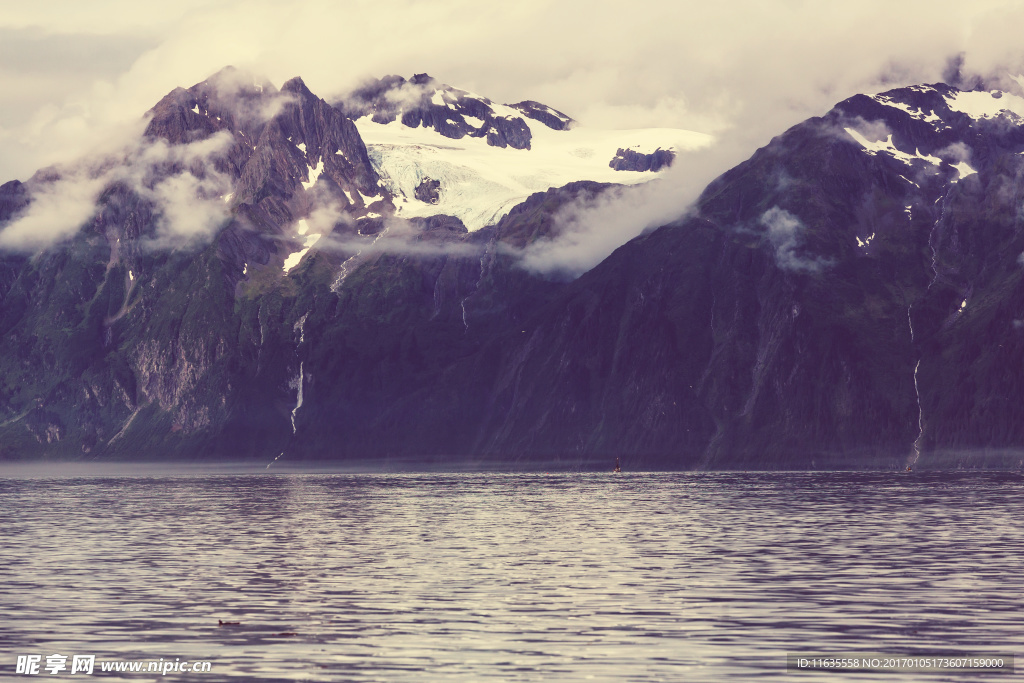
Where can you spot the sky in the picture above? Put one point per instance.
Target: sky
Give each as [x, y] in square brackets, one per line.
[75, 74]
[77, 77]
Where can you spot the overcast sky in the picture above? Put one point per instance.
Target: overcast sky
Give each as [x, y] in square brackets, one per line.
[75, 75]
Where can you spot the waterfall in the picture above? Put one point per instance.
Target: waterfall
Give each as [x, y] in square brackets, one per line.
[298, 398]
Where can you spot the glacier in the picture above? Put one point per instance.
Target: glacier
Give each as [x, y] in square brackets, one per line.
[482, 183]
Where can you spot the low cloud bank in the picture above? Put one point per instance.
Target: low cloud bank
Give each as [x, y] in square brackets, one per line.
[180, 180]
[58, 209]
[396, 236]
[589, 230]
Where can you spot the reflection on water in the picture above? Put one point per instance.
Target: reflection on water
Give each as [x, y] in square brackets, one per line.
[510, 576]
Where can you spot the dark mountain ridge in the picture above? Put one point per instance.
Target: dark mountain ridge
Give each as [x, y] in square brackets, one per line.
[850, 296]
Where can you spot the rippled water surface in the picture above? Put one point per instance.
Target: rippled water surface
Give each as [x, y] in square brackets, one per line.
[401, 577]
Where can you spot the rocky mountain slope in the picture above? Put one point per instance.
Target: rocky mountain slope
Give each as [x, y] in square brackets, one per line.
[850, 296]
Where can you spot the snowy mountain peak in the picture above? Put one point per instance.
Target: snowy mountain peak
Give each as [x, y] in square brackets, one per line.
[936, 129]
[942, 105]
[443, 150]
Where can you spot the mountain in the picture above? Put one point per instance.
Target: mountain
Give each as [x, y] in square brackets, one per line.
[269, 276]
[849, 296]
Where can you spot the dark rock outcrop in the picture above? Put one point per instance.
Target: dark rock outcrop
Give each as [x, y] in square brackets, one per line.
[429, 191]
[552, 118]
[13, 198]
[631, 160]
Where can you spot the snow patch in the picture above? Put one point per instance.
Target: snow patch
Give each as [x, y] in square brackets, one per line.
[873, 148]
[131, 276]
[986, 105]
[302, 147]
[438, 99]
[932, 118]
[866, 241]
[245, 268]
[474, 121]
[963, 169]
[369, 200]
[228, 197]
[506, 112]
[294, 258]
[313, 174]
[195, 108]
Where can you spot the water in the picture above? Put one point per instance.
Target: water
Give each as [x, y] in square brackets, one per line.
[402, 577]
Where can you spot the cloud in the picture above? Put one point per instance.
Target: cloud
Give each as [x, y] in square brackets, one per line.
[956, 152]
[35, 64]
[785, 234]
[183, 184]
[873, 131]
[180, 180]
[57, 210]
[248, 94]
[408, 95]
[587, 231]
[398, 236]
[143, 155]
[190, 209]
[323, 219]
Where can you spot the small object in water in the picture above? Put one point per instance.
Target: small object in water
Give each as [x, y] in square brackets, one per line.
[285, 633]
[617, 468]
[228, 623]
[909, 469]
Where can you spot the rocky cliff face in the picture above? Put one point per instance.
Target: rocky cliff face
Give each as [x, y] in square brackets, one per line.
[849, 296]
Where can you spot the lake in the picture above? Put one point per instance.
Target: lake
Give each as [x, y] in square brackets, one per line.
[510, 577]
